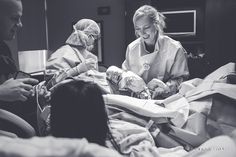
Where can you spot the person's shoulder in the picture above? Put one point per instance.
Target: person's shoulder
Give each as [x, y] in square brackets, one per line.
[166, 40]
[4, 49]
[91, 55]
[63, 50]
[65, 47]
[134, 43]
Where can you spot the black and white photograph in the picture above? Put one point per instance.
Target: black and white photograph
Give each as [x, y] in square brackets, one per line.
[117, 78]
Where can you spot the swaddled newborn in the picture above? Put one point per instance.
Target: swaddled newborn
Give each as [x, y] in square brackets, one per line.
[113, 74]
[129, 81]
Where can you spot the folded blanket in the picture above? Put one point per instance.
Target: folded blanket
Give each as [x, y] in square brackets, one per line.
[136, 141]
[176, 108]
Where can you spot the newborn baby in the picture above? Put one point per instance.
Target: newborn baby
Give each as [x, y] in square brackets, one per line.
[127, 80]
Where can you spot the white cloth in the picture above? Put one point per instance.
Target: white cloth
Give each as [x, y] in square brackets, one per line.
[52, 147]
[67, 57]
[215, 147]
[176, 109]
[136, 141]
[167, 62]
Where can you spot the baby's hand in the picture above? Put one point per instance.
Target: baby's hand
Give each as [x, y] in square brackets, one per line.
[43, 92]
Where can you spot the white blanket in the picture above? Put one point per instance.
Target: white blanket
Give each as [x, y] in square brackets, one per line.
[52, 147]
[177, 109]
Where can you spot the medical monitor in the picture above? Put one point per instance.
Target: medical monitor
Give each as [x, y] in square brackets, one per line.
[180, 23]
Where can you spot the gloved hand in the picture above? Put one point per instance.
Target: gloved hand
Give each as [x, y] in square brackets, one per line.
[88, 64]
[158, 88]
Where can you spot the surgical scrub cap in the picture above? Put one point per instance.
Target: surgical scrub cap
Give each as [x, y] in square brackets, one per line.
[82, 29]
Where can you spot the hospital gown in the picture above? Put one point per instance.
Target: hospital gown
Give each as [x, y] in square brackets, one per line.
[167, 63]
[68, 57]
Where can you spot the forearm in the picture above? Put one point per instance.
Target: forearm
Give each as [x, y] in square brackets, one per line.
[72, 72]
[124, 65]
[179, 71]
[80, 68]
[5, 94]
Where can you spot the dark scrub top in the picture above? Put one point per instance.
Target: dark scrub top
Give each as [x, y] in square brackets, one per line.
[7, 64]
[25, 110]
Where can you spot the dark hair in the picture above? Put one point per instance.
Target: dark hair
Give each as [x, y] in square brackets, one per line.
[78, 111]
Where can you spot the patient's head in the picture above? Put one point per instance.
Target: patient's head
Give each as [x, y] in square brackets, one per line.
[78, 111]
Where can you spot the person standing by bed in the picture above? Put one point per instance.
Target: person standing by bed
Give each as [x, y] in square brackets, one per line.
[154, 56]
[75, 56]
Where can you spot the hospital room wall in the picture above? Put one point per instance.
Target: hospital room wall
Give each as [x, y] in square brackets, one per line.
[62, 14]
[32, 35]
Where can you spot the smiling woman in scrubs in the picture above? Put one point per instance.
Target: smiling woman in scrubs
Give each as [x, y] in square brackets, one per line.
[154, 56]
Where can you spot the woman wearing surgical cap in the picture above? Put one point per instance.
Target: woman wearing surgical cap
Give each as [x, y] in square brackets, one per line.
[75, 55]
[158, 59]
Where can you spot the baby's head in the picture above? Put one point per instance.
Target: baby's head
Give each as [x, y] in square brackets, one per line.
[113, 74]
[128, 80]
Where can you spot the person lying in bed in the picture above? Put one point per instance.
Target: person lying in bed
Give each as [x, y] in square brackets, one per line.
[78, 111]
[75, 56]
